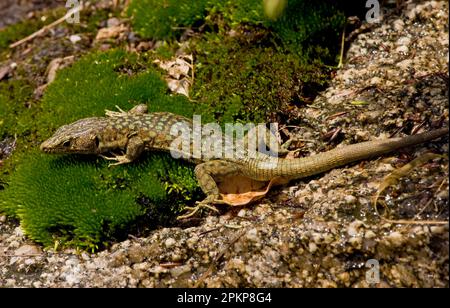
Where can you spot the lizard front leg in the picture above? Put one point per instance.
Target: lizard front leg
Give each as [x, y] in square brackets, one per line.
[207, 174]
[135, 147]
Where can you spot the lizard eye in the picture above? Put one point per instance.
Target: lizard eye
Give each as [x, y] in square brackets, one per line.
[97, 142]
[66, 143]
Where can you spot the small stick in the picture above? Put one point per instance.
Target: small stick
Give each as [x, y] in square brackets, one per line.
[45, 28]
[341, 54]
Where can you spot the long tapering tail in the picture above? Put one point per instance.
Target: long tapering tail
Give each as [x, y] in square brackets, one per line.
[307, 166]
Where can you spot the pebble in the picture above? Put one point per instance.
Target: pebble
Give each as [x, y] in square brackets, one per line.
[312, 247]
[395, 238]
[170, 242]
[75, 38]
[136, 254]
[112, 22]
[370, 234]
[376, 81]
[344, 277]
[252, 235]
[241, 213]
[18, 232]
[405, 64]
[14, 244]
[404, 41]
[402, 49]
[356, 242]
[398, 25]
[353, 228]
[180, 270]
[438, 229]
[349, 199]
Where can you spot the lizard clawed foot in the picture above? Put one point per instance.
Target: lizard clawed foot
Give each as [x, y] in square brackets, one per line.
[199, 205]
[119, 113]
[120, 159]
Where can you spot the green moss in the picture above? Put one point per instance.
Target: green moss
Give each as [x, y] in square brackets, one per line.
[302, 23]
[258, 70]
[168, 19]
[308, 24]
[242, 80]
[165, 19]
[79, 201]
[15, 118]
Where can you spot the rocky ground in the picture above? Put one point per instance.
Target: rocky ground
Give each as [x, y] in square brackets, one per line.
[319, 232]
[12, 11]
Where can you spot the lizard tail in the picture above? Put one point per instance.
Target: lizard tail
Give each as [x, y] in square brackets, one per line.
[307, 166]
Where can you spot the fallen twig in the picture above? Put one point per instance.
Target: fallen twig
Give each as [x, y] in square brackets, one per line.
[47, 27]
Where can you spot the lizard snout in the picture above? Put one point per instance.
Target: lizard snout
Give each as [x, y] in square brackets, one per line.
[45, 147]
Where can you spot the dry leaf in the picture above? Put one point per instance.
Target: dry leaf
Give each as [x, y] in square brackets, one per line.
[179, 86]
[179, 80]
[241, 190]
[175, 68]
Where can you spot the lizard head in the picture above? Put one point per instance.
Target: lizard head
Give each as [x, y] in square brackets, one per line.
[78, 137]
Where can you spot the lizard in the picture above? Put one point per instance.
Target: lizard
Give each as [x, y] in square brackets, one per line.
[137, 131]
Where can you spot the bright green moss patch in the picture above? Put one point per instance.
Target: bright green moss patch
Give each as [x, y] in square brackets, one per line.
[79, 201]
[16, 120]
[165, 19]
[15, 117]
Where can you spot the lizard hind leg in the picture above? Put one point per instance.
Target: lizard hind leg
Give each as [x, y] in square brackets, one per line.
[207, 174]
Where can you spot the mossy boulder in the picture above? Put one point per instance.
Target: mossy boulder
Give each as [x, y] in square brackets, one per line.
[78, 200]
